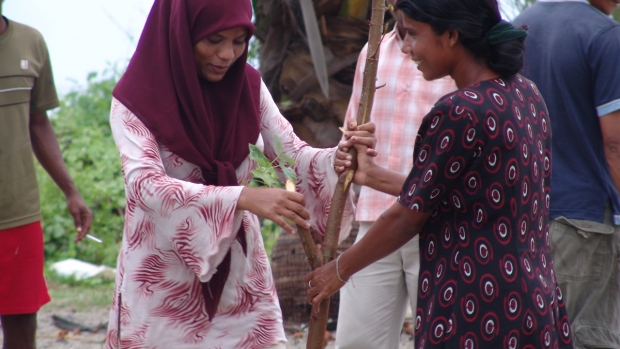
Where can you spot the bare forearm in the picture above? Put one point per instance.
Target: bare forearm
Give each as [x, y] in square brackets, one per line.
[385, 180]
[394, 228]
[46, 149]
[610, 128]
[612, 154]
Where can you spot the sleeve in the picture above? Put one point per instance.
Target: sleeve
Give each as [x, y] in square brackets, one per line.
[316, 179]
[604, 63]
[356, 93]
[200, 221]
[446, 142]
[43, 94]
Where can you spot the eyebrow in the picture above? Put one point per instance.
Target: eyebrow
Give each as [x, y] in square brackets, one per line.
[220, 36]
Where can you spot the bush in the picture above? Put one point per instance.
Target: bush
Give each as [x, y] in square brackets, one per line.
[85, 139]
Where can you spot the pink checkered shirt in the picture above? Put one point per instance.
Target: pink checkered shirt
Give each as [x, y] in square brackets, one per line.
[398, 110]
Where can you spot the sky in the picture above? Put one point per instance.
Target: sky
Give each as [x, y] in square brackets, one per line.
[84, 36]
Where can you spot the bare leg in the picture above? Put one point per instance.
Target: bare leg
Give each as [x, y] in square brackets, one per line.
[19, 331]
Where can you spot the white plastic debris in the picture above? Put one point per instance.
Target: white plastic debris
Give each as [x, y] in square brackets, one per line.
[81, 269]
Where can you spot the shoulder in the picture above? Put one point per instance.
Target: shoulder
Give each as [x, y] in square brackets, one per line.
[268, 108]
[453, 112]
[474, 103]
[608, 33]
[471, 98]
[27, 40]
[264, 92]
[584, 18]
[26, 32]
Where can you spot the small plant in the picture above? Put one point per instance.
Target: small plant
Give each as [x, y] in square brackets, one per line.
[265, 174]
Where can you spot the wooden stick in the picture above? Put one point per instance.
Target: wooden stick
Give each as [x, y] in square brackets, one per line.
[318, 320]
[312, 253]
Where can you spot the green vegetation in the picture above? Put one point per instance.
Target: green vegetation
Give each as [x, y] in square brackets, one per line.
[79, 294]
[270, 232]
[80, 298]
[85, 139]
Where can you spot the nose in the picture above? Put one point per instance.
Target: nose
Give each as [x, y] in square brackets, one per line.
[226, 52]
[407, 45]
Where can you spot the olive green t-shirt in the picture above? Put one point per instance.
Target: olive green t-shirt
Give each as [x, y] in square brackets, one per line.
[26, 87]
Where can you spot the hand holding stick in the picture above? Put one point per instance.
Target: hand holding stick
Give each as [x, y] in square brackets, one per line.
[318, 319]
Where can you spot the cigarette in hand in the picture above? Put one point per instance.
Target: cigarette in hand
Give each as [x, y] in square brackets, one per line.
[94, 238]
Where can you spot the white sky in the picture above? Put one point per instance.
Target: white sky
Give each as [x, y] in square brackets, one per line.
[82, 36]
[85, 36]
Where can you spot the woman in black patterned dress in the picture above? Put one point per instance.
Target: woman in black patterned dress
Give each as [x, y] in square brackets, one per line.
[478, 192]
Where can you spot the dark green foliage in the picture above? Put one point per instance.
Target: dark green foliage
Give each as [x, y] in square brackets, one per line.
[85, 139]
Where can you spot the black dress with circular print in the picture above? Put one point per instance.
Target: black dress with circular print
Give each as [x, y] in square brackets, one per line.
[482, 166]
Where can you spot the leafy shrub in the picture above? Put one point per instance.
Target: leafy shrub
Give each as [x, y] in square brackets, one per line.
[85, 139]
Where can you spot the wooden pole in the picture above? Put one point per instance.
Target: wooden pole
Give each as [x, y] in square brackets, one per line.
[318, 319]
[312, 252]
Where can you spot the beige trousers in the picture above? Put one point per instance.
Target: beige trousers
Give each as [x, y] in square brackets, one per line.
[373, 305]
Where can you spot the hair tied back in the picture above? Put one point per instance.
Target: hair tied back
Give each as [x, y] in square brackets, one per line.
[504, 31]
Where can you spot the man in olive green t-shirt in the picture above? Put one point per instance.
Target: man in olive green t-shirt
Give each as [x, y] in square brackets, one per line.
[26, 93]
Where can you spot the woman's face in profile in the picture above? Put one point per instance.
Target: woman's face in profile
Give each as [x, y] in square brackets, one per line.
[215, 53]
[427, 49]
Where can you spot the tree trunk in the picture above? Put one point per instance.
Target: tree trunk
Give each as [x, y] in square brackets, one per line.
[288, 72]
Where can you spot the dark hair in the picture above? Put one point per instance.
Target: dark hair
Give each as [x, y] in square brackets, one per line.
[472, 19]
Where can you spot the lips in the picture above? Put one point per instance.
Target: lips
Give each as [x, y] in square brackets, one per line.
[219, 69]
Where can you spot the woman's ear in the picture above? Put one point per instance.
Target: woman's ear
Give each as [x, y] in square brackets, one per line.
[453, 37]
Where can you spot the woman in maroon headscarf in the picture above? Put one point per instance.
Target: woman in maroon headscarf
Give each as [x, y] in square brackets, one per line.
[192, 270]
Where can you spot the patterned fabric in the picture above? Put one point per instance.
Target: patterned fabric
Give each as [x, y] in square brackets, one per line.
[482, 167]
[177, 232]
[398, 109]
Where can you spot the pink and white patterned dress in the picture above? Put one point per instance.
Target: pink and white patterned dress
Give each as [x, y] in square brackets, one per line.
[177, 231]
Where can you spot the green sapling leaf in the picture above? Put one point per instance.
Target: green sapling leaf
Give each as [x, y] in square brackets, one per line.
[289, 173]
[257, 155]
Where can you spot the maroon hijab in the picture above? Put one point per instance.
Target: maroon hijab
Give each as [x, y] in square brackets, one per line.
[208, 124]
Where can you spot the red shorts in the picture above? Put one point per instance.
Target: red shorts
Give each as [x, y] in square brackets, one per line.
[22, 285]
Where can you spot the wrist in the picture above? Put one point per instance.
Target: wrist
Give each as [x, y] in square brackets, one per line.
[343, 268]
[70, 190]
[241, 201]
[371, 175]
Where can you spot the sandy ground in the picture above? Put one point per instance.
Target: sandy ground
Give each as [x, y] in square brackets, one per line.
[48, 334]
